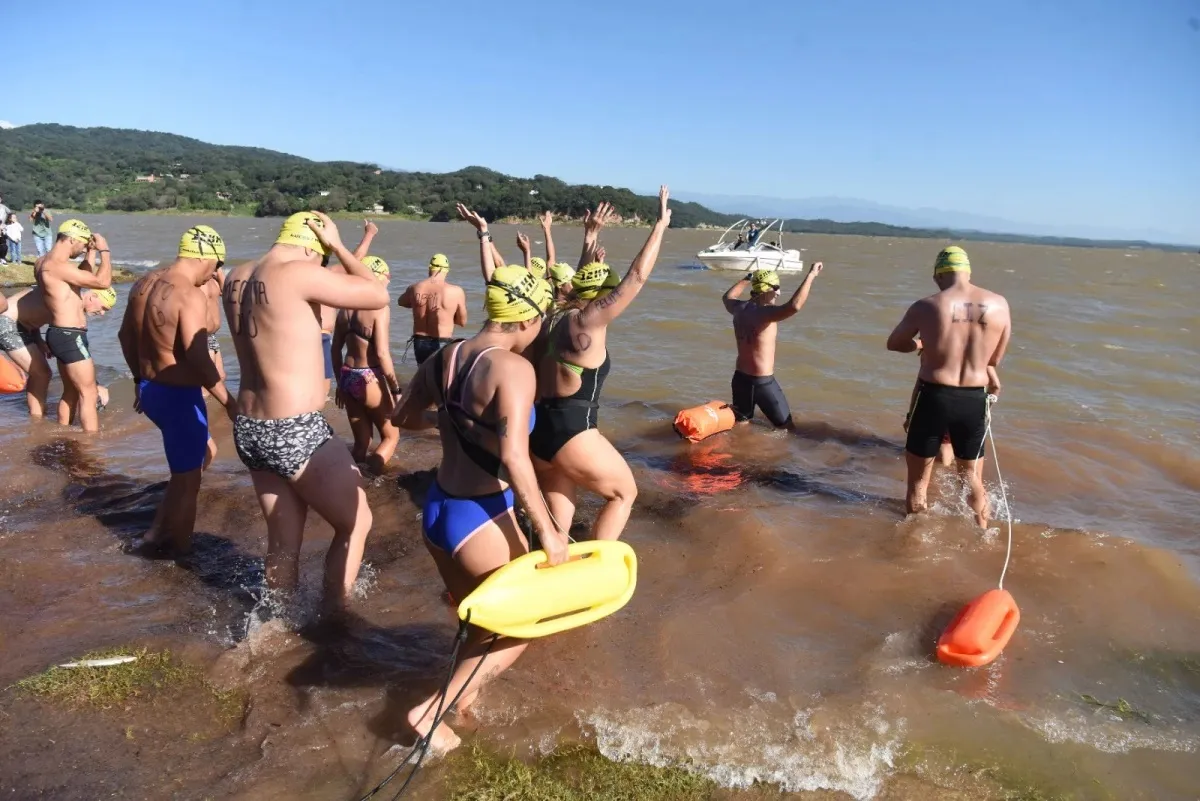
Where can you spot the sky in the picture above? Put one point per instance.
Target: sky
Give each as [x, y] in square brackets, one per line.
[1059, 112]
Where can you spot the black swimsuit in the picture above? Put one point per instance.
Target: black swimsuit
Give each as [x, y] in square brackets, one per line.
[560, 419]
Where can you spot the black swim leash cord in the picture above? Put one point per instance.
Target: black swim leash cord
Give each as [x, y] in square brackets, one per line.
[423, 743]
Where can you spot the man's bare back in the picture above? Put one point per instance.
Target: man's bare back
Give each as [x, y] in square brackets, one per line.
[964, 329]
[157, 303]
[755, 330]
[437, 306]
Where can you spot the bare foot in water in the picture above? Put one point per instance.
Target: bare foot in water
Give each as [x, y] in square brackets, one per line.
[443, 740]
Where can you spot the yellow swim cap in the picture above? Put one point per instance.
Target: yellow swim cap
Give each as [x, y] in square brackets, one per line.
[202, 242]
[439, 264]
[952, 260]
[515, 295]
[561, 273]
[591, 279]
[377, 265]
[764, 281]
[76, 229]
[108, 297]
[538, 266]
[295, 231]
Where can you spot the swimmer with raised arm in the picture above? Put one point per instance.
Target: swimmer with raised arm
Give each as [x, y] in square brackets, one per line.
[61, 282]
[756, 327]
[964, 332]
[273, 306]
[366, 386]
[484, 390]
[437, 307]
[164, 338]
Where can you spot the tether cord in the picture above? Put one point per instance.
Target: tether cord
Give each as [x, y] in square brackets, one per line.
[424, 742]
[1003, 492]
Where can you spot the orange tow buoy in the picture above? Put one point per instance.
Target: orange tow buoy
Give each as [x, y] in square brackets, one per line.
[699, 422]
[11, 378]
[980, 630]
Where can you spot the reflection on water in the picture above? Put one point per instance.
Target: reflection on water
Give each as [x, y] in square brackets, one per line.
[783, 626]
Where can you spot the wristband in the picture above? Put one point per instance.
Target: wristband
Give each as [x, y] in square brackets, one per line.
[104, 251]
[484, 235]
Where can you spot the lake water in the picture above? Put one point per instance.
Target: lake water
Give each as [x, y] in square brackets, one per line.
[785, 617]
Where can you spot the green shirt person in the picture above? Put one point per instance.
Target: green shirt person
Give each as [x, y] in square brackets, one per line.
[41, 221]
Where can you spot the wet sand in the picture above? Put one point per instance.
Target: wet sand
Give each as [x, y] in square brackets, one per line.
[786, 612]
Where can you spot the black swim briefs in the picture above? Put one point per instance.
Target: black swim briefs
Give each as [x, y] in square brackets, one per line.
[762, 391]
[68, 345]
[938, 410]
[424, 347]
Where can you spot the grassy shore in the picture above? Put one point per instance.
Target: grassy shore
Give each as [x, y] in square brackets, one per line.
[21, 275]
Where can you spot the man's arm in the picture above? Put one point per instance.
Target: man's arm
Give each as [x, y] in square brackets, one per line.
[192, 330]
[364, 247]
[903, 338]
[514, 399]
[318, 285]
[405, 301]
[1002, 345]
[82, 277]
[128, 339]
[730, 298]
[460, 312]
[789, 309]
[547, 221]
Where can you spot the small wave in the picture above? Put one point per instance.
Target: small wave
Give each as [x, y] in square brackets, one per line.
[141, 264]
[1108, 733]
[849, 753]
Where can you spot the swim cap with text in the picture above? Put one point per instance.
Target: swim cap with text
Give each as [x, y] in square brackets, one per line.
[76, 229]
[515, 295]
[295, 231]
[201, 242]
[952, 260]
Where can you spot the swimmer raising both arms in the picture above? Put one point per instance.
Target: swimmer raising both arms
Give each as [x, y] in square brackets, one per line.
[484, 391]
[329, 313]
[273, 307]
[964, 332]
[164, 338]
[756, 328]
[437, 307]
[61, 280]
[569, 450]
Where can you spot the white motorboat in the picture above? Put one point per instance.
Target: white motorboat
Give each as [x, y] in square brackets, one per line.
[738, 253]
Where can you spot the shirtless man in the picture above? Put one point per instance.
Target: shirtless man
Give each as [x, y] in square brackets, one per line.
[273, 306]
[437, 306]
[21, 321]
[964, 331]
[329, 313]
[755, 328]
[164, 338]
[61, 280]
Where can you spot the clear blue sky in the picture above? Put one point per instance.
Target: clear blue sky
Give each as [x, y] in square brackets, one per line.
[1052, 111]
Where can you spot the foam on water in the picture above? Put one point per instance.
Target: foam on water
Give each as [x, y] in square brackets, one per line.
[851, 751]
[1107, 732]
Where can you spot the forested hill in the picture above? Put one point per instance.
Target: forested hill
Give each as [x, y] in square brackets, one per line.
[98, 169]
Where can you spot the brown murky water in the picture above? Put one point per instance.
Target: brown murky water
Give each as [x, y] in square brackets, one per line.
[785, 615]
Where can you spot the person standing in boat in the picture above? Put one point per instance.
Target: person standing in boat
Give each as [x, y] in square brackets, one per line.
[755, 326]
[964, 332]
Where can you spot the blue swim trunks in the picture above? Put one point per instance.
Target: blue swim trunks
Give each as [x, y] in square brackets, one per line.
[181, 416]
[327, 350]
[449, 521]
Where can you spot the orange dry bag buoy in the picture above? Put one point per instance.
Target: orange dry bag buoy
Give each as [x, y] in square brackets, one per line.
[698, 422]
[980, 630]
[11, 378]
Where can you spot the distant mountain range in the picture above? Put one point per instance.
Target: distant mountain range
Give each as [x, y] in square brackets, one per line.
[850, 210]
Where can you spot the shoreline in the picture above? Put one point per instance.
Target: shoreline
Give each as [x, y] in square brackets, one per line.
[20, 276]
[932, 236]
